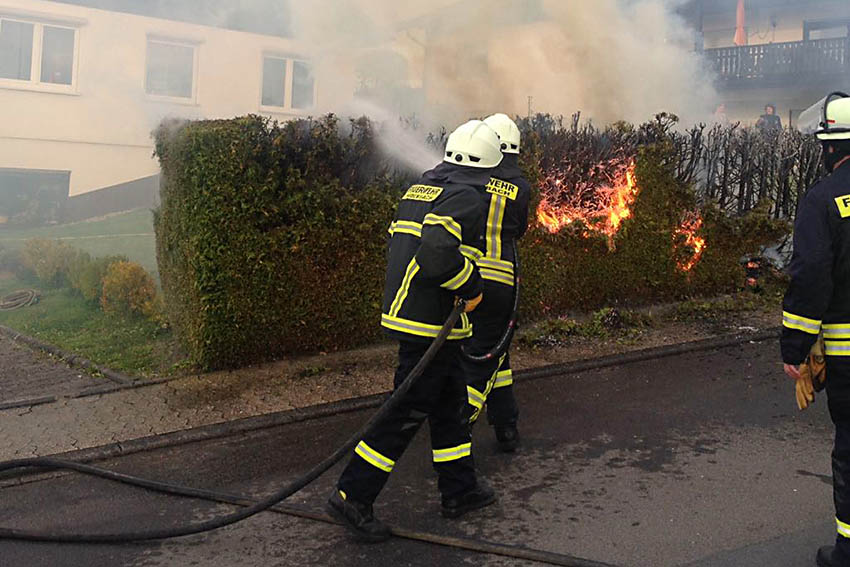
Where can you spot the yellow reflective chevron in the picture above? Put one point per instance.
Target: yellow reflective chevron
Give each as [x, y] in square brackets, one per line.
[448, 223]
[800, 323]
[406, 227]
[495, 216]
[836, 330]
[452, 453]
[461, 277]
[836, 348]
[843, 528]
[475, 398]
[504, 378]
[374, 458]
[424, 329]
[404, 288]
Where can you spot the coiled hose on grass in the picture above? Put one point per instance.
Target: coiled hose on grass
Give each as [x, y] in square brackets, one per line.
[18, 299]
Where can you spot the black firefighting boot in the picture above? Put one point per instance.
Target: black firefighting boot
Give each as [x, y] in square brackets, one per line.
[358, 518]
[508, 437]
[830, 556]
[473, 499]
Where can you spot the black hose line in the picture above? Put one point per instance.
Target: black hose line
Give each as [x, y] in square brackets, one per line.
[215, 523]
[505, 340]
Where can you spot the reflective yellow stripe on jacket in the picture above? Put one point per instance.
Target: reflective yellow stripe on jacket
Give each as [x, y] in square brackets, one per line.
[406, 227]
[836, 331]
[495, 217]
[450, 224]
[404, 288]
[425, 330]
[461, 278]
[800, 323]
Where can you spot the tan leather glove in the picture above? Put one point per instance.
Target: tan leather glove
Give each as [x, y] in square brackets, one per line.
[812, 375]
[471, 304]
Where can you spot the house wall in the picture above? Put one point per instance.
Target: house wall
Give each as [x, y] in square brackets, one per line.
[100, 127]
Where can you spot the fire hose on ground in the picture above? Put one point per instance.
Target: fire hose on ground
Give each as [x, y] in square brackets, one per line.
[18, 299]
[252, 507]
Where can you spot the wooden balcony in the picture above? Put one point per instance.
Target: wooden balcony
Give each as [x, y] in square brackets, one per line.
[782, 64]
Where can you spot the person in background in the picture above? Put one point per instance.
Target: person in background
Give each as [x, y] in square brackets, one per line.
[506, 199]
[720, 116]
[769, 121]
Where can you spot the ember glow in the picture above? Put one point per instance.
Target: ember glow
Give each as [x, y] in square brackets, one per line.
[686, 237]
[600, 200]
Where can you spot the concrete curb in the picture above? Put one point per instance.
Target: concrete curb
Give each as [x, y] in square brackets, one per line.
[118, 380]
[244, 425]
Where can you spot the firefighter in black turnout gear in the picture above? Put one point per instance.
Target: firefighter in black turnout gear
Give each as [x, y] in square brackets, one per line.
[434, 242]
[506, 199]
[818, 298]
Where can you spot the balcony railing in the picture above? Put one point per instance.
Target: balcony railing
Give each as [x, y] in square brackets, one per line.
[780, 64]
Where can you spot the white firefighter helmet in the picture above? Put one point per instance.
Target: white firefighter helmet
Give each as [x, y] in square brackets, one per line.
[474, 144]
[507, 130]
[828, 119]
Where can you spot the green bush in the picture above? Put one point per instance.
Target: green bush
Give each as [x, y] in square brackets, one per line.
[128, 290]
[270, 238]
[49, 260]
[86, 274]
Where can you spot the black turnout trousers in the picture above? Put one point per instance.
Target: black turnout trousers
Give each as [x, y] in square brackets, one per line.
[491, 382]
[439, 396]
[838, 391]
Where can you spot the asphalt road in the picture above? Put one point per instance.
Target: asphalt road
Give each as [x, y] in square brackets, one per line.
[700, 459]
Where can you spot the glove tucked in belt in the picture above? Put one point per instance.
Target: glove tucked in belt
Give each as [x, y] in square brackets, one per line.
[812, 375]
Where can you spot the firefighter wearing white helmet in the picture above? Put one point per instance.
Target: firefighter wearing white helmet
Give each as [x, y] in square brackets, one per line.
[817, 303]
[505, 204]
[435, 238]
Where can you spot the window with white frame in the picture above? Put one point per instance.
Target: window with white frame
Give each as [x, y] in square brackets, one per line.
[37, 53]
[288, 84]
[171, 69]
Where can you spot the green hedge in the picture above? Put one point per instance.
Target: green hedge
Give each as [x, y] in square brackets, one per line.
[271, 239]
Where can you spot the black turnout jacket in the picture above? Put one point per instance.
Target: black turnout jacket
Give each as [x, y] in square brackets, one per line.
[506, 199]
[435, 241]
[818, 297]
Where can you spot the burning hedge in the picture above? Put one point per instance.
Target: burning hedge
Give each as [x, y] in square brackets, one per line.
[271, 238]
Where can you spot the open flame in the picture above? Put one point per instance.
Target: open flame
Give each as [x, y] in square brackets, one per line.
[686, 237]
[601, 199]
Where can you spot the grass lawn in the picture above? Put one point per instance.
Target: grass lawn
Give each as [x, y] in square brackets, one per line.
[130, 234]
[62, 318]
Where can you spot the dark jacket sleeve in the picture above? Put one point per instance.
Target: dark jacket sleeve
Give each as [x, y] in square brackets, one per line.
[810, 290]
[453, 219]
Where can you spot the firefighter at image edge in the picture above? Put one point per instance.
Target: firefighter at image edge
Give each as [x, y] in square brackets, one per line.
[506, 207]
[435, 239]
[818, 298]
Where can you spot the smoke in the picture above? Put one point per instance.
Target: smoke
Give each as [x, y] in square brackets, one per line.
[610, 59]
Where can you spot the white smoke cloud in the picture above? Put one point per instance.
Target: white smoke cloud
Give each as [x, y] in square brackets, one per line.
[611, 59]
